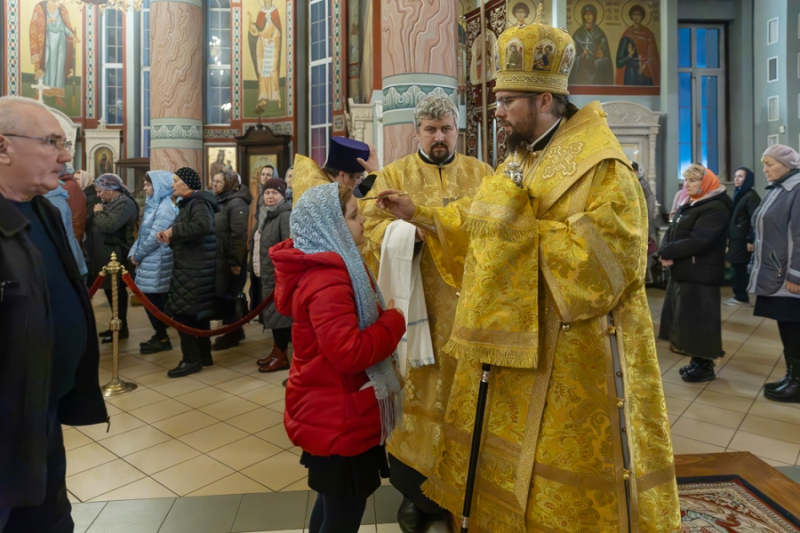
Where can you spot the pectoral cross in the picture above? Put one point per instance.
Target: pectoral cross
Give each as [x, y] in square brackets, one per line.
[40, 87]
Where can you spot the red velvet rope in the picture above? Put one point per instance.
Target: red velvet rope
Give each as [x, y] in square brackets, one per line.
[192, 331]
[96, 285]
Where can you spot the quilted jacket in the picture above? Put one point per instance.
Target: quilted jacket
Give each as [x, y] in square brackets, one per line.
[230, 225]
[194, 247]
[154, 270]
[327, 410]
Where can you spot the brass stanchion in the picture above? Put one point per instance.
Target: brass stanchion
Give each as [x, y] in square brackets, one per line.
[116, 386]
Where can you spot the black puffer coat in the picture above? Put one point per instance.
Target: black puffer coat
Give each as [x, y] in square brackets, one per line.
[696, 241]
[230, 225]
[740, 232]
[194, 246]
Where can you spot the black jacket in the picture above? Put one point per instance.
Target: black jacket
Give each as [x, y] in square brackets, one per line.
[696, 241]
[740, 232]
[230, 226]
[194, 246]
[25, 355]
[112, 232]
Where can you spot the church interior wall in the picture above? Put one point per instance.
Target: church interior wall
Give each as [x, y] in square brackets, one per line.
[765, 126]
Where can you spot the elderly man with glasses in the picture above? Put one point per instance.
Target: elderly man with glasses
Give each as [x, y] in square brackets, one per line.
[49, 354]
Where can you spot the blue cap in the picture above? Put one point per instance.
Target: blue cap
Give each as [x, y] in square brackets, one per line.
[343, 154]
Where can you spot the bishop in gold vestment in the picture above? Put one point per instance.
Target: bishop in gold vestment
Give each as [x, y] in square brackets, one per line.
[427, 387]
[549, 258]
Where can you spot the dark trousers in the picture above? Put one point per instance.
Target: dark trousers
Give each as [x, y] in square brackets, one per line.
[337, 513]
[123, 302]
[255, 292]
[159, 299]
[282, 337]
[409, 482]
[739, 281]
[54, 514]
[790, 336]
[194, 349]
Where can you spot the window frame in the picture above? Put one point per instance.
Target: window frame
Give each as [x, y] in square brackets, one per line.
[106, 66]
[776, 20]
[777, 69]
[210, 69]
[772, 140]
[721, 74]
[777, 115]
[312, 63]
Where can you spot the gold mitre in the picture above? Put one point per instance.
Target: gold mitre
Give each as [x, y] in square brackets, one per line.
[534, 58]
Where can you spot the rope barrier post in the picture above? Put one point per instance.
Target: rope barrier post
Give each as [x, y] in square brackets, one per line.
[116, 386]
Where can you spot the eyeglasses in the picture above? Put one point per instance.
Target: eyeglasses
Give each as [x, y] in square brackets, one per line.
[57, 142]
[504, 101]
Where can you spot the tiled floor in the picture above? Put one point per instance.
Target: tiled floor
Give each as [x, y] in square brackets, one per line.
[220, 432]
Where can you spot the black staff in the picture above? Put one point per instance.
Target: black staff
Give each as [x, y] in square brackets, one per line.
[480, 410]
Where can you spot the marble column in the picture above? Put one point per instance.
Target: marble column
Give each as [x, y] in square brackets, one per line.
[176, 84]
[418, 58]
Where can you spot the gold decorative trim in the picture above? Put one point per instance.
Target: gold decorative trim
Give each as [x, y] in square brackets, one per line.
[502, 214]
[616, 429]
[584, 481]
[623, 365]
[532, 82]
[656, 478]
[495, 338]
[604, 255]
[555, 292]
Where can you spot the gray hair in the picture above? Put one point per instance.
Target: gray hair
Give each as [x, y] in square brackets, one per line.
[434, 107]
[12, 113]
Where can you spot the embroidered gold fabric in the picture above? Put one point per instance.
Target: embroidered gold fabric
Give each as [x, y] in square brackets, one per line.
[427, 388]
[551, 456]
[306, 175]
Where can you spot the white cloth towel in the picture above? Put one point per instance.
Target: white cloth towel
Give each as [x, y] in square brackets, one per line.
[400, 280]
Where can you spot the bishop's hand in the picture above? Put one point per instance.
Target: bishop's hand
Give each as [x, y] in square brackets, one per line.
[401, 207]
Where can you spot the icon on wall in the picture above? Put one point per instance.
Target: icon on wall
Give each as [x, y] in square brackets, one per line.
[103, 162]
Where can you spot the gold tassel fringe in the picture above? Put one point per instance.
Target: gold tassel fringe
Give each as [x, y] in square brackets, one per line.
[509, 357]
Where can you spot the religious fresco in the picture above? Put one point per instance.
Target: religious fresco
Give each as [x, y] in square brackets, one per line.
[51, 53]
[103, 162]
[220, 158]
[265, 57]
[617, 46]
[523, 12]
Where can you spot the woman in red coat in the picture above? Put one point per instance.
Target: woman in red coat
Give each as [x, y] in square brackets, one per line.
[343, 395]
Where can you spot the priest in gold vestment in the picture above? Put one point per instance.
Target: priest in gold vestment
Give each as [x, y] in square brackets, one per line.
[549, 258]
[433, 176]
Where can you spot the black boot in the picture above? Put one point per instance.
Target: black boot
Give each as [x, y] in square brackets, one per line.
[229, 340]
[784, 380]
[691, 366]
[410, 518]
[702, 371]
[788, 393]
[184, 369]
[207, 360]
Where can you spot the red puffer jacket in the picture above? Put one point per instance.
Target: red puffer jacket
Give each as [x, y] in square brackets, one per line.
[326, 412]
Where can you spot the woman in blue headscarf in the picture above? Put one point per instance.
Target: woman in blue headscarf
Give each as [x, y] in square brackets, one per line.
[153, 260]
[344, 395]
[740, 234]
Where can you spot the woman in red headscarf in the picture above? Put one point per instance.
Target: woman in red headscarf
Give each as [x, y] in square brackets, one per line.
[694, 250]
